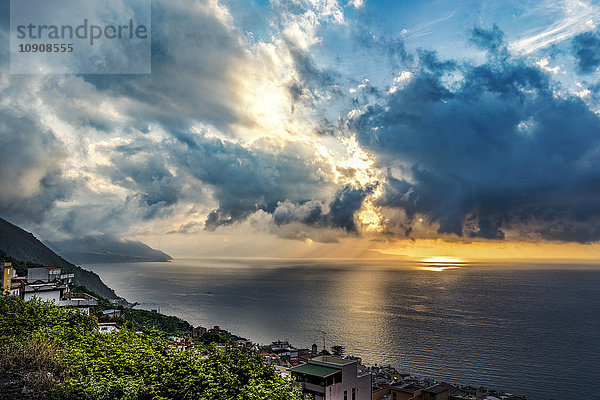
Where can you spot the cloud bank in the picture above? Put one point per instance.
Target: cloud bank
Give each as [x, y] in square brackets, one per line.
[497, 151]
[267, 128]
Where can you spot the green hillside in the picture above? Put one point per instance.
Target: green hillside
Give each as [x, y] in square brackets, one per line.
[22, 245]
[106, 249]
[52, 353]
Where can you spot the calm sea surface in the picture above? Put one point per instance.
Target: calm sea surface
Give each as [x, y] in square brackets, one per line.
[529, 329]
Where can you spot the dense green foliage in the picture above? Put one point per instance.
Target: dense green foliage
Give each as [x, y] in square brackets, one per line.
[338, 350]
[138, 320]
[144, 320]
[60, 354]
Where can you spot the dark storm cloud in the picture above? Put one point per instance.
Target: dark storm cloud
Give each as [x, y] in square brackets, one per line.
[31, 160]
[194, 60]
[246, 180]
[347, 202]
[586, 49]
[145, 173]
[312, 82]
[195, 56]
[103, 217]
[501, 151]
[478, 149]
[279, 180]
[342, 210]
[148, 191]
[310, 213]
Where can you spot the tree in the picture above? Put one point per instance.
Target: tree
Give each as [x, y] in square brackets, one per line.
[338, 350]
[58, 354]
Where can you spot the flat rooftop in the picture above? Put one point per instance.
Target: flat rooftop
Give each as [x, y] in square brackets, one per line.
[333, 360]
[436, 389]
[314, 370]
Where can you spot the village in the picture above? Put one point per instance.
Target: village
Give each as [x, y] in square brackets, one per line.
[328, 375]
[318, 373]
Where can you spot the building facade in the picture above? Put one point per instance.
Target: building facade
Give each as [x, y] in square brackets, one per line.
[50, 284]
[332, 378]
[108, 327]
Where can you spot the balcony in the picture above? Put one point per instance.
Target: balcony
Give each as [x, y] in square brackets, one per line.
[78, 300]
[313, 388]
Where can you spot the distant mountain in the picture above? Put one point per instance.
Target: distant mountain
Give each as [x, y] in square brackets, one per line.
[106, 249]
[22, 245]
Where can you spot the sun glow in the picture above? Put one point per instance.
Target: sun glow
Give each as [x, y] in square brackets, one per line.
[477, 251]
[369, 215]
[439, 264]
[443, 260]
[436, 269]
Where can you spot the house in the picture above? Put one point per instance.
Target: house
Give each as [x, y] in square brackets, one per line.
[45, 283]
[401, 391]
[332, 378]
[49, 283]
[108, 327]
[198, 331]
[112, 313]
[436, 392]
[288, 353]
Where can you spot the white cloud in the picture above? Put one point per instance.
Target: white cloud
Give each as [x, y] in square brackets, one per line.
[404, 76]
[584, 92]
[355, 3]
[572, 17]
[328, 9]
[543, 64]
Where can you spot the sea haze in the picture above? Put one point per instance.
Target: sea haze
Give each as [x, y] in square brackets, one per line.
[524, 328]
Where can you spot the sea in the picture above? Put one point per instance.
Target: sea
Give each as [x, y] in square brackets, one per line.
[524, 328]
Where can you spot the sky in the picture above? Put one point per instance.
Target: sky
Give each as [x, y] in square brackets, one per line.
[306, 128]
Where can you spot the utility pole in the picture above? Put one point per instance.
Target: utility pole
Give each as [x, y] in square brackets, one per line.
[324, 333]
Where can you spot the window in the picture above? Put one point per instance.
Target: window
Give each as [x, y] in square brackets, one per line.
[345, 395]
[394, 396]
[353, 393]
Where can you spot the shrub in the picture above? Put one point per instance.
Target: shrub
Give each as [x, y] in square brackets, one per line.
[60, 350]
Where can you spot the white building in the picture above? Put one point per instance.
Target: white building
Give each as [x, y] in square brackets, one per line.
[108, 327]
[49, 283]
[332, 378]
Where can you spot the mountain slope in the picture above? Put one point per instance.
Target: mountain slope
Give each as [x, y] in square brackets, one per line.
[106, 249]
[22, 245]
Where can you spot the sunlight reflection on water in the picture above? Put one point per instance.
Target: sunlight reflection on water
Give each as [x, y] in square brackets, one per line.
[504, 327]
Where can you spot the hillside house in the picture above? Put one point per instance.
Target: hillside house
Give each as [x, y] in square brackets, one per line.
[111, 313]
[49, 283]
[108, 327]
[332, 378]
